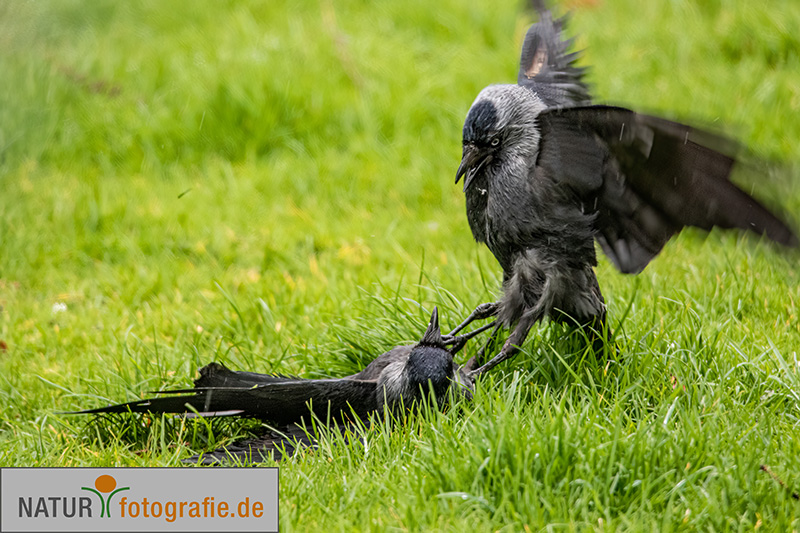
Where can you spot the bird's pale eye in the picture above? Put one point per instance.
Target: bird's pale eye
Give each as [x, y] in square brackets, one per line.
[495, 141]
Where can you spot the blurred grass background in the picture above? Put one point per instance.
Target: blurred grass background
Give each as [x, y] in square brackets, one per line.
[270, 184]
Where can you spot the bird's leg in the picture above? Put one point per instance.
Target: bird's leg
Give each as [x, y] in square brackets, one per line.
[448, 339]
[596, 333]
[490, 341]
[482, 312]
[459, 341]
[602, 338]
[512, 345]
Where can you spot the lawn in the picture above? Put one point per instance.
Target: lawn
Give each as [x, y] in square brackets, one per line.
[270, 185]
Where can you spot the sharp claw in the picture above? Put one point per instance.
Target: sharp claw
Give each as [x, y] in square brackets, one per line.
[449, 339]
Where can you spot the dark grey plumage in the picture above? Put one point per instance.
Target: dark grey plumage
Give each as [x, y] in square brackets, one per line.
[400, 377]
[545, 175]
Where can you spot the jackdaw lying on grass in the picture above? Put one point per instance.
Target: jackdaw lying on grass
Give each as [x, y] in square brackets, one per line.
[397, 379]
[546, 174]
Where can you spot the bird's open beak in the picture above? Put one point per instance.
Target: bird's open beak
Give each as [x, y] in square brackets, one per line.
[433, 335]
[472, 161]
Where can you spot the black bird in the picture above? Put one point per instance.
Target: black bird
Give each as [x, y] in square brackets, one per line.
[546, 174]
[402, 376]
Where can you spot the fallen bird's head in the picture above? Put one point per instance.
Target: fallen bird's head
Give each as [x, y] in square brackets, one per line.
[430, 363]
[501, 123]
[430, 360]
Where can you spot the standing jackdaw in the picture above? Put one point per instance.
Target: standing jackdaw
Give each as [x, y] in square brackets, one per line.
[546, 174]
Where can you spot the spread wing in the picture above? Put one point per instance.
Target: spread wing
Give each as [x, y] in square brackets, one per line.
[546, 65]
[646, 178]
[278, 399]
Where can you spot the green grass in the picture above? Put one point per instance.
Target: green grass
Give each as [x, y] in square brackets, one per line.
[270, 185]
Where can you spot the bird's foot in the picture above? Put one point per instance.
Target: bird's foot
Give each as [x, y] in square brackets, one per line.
[458, 341]
[482, 312]
[506, 353]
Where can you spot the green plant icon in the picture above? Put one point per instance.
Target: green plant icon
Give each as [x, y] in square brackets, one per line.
[105, 484]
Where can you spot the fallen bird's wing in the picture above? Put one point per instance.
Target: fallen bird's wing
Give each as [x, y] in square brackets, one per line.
[280, 400]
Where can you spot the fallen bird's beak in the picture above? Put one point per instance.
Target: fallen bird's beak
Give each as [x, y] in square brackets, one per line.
[472, 161]
[433, 335]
